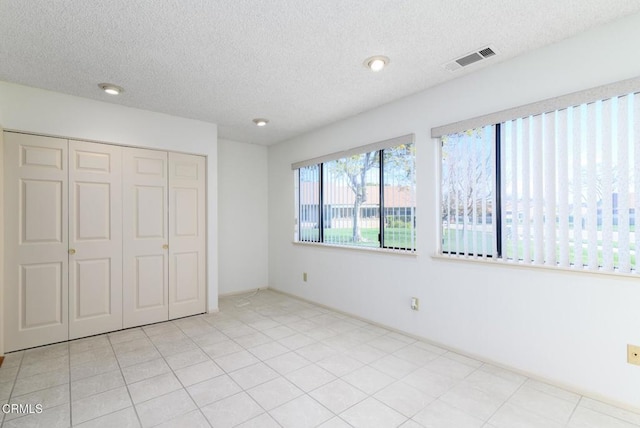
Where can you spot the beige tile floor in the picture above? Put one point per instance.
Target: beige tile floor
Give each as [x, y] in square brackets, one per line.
[269, 360]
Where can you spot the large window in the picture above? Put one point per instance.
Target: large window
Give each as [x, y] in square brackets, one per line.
[364, 198]
[560, 188]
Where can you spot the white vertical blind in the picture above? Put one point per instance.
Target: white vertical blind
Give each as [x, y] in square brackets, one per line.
[548, 211]
[562, 143]
[477, 175]
[591, 140]
[511, 147]
[607, 142]
[488, 244]
[465, 204]
[634, 138]
[538, 171]
[569, 182]
[625, 149]
[575, 118]
[524, 139]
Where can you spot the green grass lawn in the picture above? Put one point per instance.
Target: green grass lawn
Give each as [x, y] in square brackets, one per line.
[394, 237]
[508, 249]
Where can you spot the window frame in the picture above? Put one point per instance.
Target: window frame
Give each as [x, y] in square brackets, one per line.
[379, 148]
[499, 120]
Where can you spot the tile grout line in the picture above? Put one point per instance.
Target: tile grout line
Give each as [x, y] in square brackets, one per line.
[609, 415]
[115, 355]
[245, 391]
[506, 400]
[566, 424]
[308, 393]
[234, 381]
[199, 409]
[347, 341]
[280, 375]
[96, 375]
[13, 386]
[162, 356]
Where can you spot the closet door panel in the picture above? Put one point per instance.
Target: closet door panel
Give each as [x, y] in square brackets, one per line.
[36, 260]
[187, 232]
[150, 272]
[95, 241]
[145, 237]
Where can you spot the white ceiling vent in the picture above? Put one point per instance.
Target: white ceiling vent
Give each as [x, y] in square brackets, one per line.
[470, 58]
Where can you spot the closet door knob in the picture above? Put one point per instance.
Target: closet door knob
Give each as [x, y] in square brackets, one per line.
[72, 251]
[165, 247]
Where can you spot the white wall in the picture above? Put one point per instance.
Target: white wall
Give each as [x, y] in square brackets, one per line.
[39, 111]
[1, 241]
[242, 216]
[568, 327]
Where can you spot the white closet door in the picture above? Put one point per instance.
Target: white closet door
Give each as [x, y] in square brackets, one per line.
[95, 238]
[145, 240]
[36, 259]
[187, 232]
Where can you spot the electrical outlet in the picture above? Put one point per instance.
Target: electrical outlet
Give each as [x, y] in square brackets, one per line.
[633, 354]
[304, 276]
[415, 303]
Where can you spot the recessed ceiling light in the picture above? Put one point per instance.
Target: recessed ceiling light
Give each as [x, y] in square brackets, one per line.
[110, 88]
[260, 122]
[376, 63]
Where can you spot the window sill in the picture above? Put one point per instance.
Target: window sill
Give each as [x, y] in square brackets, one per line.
[350, 248]
[521, 265]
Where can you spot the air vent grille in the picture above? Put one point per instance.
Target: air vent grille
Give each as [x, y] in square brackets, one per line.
[470, 58]
[486, 52]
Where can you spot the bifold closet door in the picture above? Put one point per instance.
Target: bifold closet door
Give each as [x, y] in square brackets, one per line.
[187, 231]
[36, 240]
[145, 240]
[95, 238]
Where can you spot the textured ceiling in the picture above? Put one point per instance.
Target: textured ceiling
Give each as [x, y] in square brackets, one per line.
[296, 62]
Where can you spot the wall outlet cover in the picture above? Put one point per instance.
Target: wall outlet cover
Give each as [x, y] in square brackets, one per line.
[633, 354]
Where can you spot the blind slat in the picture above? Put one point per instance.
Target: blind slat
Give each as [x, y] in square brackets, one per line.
[576, 143]
[488, 230]
[562, 144]
[515, 218]
[526, 205]
[608, 143]
[474, 196]
[538, 171]
[592, 186]
[635, 136]
[549, 190]
[622, 209]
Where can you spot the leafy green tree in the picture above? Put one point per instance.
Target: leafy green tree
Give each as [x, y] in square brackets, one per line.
[355, 170]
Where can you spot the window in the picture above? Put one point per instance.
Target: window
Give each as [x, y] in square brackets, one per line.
[362, 198]
[558, 188]
[468, 189]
